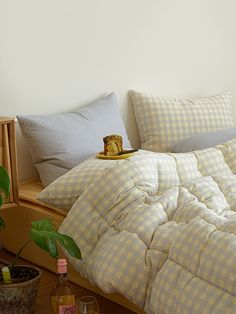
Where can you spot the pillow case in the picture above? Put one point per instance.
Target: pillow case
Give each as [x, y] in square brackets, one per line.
[59, 142]
[65, 190]
[162, 121]
[203, 140]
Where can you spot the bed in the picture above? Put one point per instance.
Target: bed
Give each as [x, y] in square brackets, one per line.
[18, 221]
[157, 229]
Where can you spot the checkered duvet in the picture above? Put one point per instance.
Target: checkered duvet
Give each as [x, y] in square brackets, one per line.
[161, 230]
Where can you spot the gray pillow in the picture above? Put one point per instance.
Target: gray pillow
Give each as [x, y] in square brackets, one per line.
[59, 142]
[203, 140]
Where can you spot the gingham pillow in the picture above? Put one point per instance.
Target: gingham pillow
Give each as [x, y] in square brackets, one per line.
[163, 121]
[64, 191]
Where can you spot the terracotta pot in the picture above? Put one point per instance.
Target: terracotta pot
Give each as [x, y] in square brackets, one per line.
[20, 298]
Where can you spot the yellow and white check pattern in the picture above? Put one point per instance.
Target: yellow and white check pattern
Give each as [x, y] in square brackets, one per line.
[162, 232]
[64, 191]
[163, 121]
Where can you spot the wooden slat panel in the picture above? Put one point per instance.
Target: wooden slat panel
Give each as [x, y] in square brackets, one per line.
[13, 157]
[4, 120]
[8, 156]
[1, 145]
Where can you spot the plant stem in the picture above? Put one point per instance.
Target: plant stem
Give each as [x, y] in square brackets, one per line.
[19, 252]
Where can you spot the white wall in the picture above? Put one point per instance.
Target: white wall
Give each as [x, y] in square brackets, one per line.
[56, 55]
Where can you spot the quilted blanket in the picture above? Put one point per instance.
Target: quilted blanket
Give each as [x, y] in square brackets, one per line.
[160, 228]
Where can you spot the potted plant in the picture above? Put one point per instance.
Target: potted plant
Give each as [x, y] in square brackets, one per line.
[19, 286]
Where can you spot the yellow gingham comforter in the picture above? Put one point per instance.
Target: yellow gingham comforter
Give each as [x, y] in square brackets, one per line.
[161, 230]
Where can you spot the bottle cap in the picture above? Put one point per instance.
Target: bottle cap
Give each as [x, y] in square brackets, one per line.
[62, 265]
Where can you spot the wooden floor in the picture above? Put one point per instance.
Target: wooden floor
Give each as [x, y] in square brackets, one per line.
[48, 282]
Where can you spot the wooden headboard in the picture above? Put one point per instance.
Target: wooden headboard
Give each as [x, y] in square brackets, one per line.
[8, 156]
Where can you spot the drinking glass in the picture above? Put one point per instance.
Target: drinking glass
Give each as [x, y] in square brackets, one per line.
[88, 305]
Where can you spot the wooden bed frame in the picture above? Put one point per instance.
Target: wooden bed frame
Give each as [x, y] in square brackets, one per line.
[22, 207]
[18, 219]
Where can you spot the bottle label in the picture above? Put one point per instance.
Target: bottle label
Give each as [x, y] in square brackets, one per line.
[67, 309]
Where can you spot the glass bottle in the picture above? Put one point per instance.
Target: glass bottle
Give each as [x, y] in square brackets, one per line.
[63, 299]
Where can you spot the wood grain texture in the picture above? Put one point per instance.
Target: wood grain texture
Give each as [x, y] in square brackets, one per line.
[8, 157]
[47, 283]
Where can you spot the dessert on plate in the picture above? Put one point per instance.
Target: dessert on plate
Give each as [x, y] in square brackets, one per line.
[113, 145]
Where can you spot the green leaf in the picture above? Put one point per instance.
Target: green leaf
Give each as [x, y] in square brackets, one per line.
[45, 235]
[69, 245]
[52, 247]
[43, 224]
[2, 223]
[5, 188]
[40, 229]
[4, 181]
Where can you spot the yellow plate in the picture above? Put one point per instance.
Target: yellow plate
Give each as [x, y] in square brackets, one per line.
[102, 156]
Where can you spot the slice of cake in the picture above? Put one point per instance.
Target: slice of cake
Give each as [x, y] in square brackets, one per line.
[112, 145]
